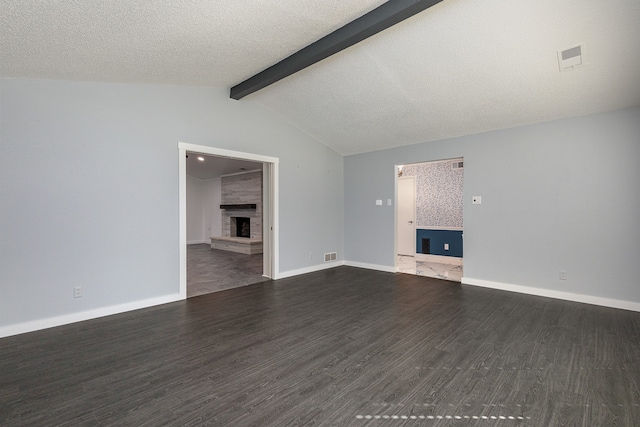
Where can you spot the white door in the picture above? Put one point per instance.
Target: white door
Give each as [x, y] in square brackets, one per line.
[406, 215]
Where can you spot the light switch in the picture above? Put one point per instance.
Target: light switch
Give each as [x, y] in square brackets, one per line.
[388, 202]
[446, 246]
[378, 202]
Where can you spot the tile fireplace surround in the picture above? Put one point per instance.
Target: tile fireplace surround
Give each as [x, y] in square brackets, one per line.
[241, 189]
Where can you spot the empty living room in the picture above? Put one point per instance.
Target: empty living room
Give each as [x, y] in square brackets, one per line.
[537, 104]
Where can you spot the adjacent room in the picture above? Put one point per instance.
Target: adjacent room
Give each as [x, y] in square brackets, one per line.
[286, 278]
[430, 219]
[224, 223]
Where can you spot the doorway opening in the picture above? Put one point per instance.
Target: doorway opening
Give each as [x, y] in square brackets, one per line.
[429, 219]
[262, 213]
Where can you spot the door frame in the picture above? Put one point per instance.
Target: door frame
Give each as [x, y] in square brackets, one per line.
[397, 170]
[270, 237]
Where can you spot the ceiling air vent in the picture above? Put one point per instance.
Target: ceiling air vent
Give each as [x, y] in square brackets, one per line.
[457, 165]
[571, 58]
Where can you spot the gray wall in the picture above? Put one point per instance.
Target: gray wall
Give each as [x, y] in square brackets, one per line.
[557, 195]
[195, 211]
[89, 195]
[89, 189]
[204, 218]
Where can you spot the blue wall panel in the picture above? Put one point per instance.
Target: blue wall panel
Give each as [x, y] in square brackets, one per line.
[437, 239]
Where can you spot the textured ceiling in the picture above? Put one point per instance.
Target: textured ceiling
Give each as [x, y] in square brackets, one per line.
[190, 42]
[460, 67]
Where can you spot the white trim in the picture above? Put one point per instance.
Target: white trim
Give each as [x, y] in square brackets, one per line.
[182, 222]
[198, 242]
[311, 269]
[396, 171]
[549, 293]
[272, 239]
[378, 267]
[440, 259]
[421, 227]
[238, 155]
[461, 159]
[51, 322]
[267, 223]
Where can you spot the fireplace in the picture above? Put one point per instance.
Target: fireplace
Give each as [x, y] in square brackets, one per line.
[240, 227]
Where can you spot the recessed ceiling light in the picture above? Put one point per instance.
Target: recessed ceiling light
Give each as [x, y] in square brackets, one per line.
[201, 158]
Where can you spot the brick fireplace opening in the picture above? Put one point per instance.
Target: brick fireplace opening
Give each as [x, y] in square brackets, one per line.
[240, 227]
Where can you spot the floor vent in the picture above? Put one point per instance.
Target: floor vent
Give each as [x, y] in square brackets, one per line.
[571, 58]
[331, 256]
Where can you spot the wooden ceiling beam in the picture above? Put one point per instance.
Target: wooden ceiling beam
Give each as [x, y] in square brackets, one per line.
[379, 19]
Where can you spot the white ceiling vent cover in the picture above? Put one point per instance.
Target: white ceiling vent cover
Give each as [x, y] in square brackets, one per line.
[571, 58]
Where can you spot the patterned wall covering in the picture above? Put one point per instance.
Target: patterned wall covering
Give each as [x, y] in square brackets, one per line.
[438, 194]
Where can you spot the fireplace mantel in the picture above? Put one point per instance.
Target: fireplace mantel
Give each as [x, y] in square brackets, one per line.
[241, 206]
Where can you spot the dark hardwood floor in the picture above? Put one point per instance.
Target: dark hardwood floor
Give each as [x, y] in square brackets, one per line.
[341, 347]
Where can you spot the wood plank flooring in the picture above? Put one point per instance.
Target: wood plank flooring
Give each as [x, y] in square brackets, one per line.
[211, 270]
[340, 347]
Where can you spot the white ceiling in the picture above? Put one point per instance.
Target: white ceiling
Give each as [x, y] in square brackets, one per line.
[214, 167]
[458, 68]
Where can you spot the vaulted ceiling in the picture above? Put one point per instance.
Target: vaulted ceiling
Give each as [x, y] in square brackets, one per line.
[458, 68]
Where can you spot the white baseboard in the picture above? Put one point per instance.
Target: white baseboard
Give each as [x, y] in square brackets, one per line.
[311, 269]
[440, 259]
[568, 296]
[387, 268]
[328, 265]
[51, 322]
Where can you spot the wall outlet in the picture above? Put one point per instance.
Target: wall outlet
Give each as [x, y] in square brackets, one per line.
[77, 292]
[563, 275]
[310, 255]
[476, 200]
